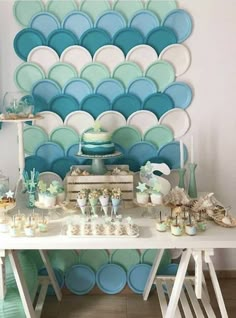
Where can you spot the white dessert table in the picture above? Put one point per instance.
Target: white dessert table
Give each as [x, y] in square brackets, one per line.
[201, 247]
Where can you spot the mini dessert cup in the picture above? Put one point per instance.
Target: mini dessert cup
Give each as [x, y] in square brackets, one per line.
[19, 220]
[4, 224]
[201, 225]
[176, 229]
[161, 226]
[14, 230]
[115, 204]
[142, 197]
[84, 229]
[72, 230]
[104, 200]
[82, 204]
[190, 229]
[43, 224]
[41, 197]
[29, 230]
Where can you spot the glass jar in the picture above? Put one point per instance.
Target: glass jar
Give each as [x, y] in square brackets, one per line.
[17, 105]
[4, 185]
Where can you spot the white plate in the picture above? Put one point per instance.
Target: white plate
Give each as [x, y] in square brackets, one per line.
[143, 55]
[109, 55]
[111, 120]
[77, 56]
[49, 121]
[79, 120]
[179, 56]
[178, 120]
[48, 177]
[44, 56]
[142, 120]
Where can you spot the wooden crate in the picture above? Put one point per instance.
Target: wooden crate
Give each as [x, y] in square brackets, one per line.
[126, 183]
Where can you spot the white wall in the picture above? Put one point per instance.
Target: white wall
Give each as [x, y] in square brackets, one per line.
[213, 113]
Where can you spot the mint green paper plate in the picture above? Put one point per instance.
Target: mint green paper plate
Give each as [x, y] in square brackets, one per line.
[126, 136]
[94, 73]
[61, 8]
[93, 258]
[94, 8]
[148, 257]
[24, 10]
[26, 75]
[159, 135]
[162, 73]
[125, 258]
[34, 136]
[64, 136]
[126, 72]
[61, 73]
[161, 8]
[11, 305]
[128, 7]
[63, 259]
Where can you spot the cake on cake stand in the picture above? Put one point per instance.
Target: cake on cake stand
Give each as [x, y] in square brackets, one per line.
[98, 167]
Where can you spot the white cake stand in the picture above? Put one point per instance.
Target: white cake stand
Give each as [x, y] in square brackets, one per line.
[98, 166]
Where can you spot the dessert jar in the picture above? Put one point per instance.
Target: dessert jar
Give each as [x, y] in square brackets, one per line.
[190, 229]
[176, 229]
[161, 226]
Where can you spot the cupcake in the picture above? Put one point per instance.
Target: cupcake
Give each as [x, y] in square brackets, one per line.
[156, 195]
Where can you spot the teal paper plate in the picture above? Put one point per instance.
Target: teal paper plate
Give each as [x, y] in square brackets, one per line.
[160, 37]
[24, 10]
[142, 152]
[78, 88]
[180, 93]
[148, 257]
[144, 21]
[46, 89]
[126, 72]
[126, 136]
[45, 23]
[94, 73]
[63, 105]
[132, 163]
[77, 22]
[93, 258]
[161, 8]
[111, 279]
[94, 8]
[80, 279]
[110, 88]
[180, 22]
[142, 87]
[50, 152]
[125, 258]
[159, 135]
[128, 8]
[162, 73]
[61, 166]
[158, 103]
[26, 40]
[95, 104]
[72, 153]
[64, 136]
[61, 39]
[137, 277]
[170, 153]
[61, 8]
[111, 21]
[33, 137]
[95, 38]
[127, 104]
[127, 38]
[40, 164]
[61, 73]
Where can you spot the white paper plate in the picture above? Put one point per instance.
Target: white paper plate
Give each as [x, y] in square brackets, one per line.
[44, 56]
[143, 55]
[142, 120]
[49, 122]
[178, 120]
[109, 55]
[48, 177]
[179, 56]
[77, 56]
[111, 120]
[79, 120]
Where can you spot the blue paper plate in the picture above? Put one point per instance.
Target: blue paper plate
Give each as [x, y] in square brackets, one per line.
[161, 37]
[158, 103]
[127, 104]
[73, 151]
[142, 151]
[111, 279]
[127, 38]
[131, 162]
[78, 88]
[110, 88]
[26, 40]
[144, 21]
[59, 277]
[80, 279]
[45, 22]
[95, 104]
[40, 164]
[63, 105]
[170, 153]
[137, 277]
[95, 38]
[46, 90]
[61, 166]
[180, 93]
[50, 152]
[60, 39]
[142, 87]
[169, 270]
[180, 22]
[77, 22]
[111, 21]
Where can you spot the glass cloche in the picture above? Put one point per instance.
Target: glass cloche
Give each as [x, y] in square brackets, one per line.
[17, 105]
[4, 185]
